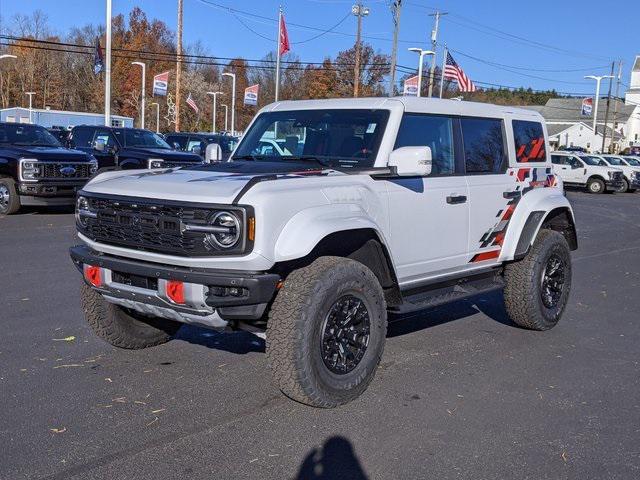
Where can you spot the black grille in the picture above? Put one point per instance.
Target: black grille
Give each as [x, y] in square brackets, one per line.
[64, 170]
[148, 226]
[616, 176]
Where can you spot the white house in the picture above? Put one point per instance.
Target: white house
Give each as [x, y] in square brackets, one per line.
[632, 99]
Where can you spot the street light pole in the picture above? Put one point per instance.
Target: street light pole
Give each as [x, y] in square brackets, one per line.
[144, 77]
[157, 105]
[107, 70]
[233, 101]
[213, 114]
[226, 114]
[421, 53]
[598, 79]
[359, 11]
[434, 44]
[31, 94]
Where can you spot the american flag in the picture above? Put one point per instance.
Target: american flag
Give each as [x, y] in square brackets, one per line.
[452, 71]
[192, 104]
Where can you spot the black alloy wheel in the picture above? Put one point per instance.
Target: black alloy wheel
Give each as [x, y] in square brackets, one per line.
[553, 281]
[345, 334]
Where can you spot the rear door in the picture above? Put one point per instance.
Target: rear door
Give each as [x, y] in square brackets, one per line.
[429, 216]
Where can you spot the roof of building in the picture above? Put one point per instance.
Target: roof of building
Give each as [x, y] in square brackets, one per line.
[60, 112]
[636, 64]
[569, 110]
[554, 129]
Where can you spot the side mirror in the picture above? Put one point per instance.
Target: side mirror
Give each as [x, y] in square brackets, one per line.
[213, 153]
[176, 146]
[100, 145]
[196, 149]
[411, 161]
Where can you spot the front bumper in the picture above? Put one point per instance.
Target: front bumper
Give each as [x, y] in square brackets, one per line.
[212, 296]
[613, 184]
[634, 183]
[49, 193]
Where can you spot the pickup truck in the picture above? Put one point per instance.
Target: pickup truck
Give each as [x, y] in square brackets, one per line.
[587, 171]
[128, 148]
[389, 205]
[35, 169]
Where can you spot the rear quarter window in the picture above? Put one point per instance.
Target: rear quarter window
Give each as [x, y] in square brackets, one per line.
[529, 141]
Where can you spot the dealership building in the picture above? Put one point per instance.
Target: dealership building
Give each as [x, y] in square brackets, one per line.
[59, 118]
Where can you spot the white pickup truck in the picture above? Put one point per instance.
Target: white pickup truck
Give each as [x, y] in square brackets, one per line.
[390, 204]
[590, 171]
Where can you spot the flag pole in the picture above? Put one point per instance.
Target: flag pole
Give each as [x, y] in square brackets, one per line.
[444, 65]
[278, 53]
[107, 71]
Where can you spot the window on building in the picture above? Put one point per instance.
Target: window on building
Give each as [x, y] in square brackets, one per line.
[484, 150]
[529, 141]
[433, 131]
[117, 122]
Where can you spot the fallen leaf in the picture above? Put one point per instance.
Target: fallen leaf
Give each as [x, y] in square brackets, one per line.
[119, 399]
[254, 460]
[70, 338]
[23, 369]
[68, 365]
[24, 299]
[109, 380]
[58, 430]
[159, 410]
[152, 421]
[564, 456]
[139, 402]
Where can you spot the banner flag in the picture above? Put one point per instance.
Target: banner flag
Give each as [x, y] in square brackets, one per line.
[160, 84]
[587, 107]
[411, 86]
[251, 95]
[98, 59]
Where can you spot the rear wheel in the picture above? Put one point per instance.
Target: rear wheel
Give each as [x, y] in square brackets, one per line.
[326, 332]
[9, 199]
[124, 328]
[595, 185]
[537, 287]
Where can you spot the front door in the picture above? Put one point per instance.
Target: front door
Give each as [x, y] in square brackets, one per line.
[107, 157]
[429, 216]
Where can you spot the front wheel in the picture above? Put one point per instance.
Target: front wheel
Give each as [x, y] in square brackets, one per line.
[595, 185]
[537, 287]
[9, 199]
[124, 328]
[624, 187]
[326, 332]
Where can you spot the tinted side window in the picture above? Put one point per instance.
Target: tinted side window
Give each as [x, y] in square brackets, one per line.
[106, 136]
[82, 137]
[432, 131]
[181, 140]
[558, 159]
[483, 145]
[529, 141]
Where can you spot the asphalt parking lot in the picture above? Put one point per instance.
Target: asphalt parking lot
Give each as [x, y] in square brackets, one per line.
[461, 392]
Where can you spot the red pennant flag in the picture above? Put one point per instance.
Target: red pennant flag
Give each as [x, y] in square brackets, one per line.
[284, 37]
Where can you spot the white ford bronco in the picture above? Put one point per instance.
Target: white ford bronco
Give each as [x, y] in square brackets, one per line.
[589, 171]
[371, 206]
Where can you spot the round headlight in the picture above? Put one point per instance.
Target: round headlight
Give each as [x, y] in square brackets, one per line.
[228, 230]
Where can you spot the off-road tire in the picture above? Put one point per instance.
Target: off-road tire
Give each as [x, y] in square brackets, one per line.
[122, 328]
[295, 326]
[596, 186]
[624, 188]
[523, 283]
[9, 186]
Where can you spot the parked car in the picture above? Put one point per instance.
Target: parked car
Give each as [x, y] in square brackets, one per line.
[573, 149]
[197, 143]
[128, 148]
[35, 169]
[631, 181]
[383, 210]
[587, 171]
[632, 160]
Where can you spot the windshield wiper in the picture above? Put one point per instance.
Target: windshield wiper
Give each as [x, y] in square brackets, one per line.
[310, 158]
[248, 157]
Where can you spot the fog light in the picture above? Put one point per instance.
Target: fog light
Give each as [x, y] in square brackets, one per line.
[93, 275]
[175, 291]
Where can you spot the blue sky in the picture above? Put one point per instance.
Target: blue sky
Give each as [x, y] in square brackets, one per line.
[541, 44]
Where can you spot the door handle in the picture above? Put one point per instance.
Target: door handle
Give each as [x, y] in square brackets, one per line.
[456, 199]
[514, 194]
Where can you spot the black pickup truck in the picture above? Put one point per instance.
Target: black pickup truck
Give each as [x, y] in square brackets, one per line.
[197, 143]
[35, 169]
[128, 148]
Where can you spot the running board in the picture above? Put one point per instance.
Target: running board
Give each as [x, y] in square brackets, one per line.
[445, 292]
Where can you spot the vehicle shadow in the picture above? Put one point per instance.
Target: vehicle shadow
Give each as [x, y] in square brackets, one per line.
[45, 210]
[239, 342]
[491, 304]
[336, 459]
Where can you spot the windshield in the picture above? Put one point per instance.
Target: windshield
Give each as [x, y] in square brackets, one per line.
[141, 138]
[591, 160]
[614, 161]
[33, 135]
[333, 138]
[634, 162]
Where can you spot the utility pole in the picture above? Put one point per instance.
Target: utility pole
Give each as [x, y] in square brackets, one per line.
[107, 70]
[606, 115]
[617, 98]
[598, 79]
[434, 44]
[179, 65]
[396, 7]
[359, 11]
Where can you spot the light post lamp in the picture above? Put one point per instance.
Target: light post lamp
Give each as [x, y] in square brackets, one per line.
[598, 79]
[157, 105]
[31, 94]
[226, 113]
[144, 75]
[421, 53]
[233, 101]
[213, 123]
